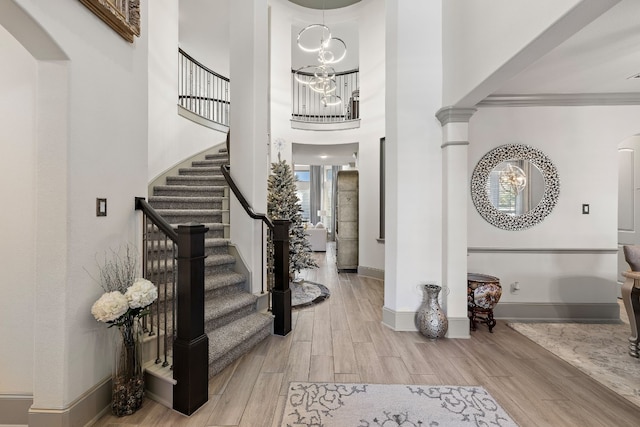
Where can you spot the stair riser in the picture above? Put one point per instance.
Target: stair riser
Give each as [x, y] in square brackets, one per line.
[210, 163]
[240, 312]
[216, 156]
[217, 365]
[201, 171]
[222, 268]
[185, 218]
[159, 252]
[192, 192]
[195, 181]
[167, 268]
[216, 250]
[178, 204]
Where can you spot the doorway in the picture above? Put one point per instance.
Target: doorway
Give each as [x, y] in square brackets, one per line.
[628, 200]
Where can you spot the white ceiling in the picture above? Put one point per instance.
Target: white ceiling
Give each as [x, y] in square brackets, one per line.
[599, 59]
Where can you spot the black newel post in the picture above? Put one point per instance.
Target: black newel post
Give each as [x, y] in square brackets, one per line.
[191, 346]
[281, 294]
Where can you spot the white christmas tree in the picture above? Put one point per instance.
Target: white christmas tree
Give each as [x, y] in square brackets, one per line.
[283, 203]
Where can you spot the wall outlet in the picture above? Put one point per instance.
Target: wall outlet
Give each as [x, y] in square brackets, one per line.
[515, 287]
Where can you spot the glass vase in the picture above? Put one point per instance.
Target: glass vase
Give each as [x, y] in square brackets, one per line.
[128, 379]
[430, 319]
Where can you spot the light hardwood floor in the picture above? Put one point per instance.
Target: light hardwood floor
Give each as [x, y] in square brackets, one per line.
[342, 340]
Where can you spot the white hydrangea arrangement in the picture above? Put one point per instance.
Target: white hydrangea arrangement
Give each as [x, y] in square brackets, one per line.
[116, 308]
[126, 297]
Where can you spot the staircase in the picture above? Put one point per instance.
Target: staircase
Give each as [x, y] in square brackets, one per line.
[232, 322]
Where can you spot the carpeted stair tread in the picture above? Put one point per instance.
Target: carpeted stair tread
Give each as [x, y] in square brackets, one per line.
[203, 199]
[224, 309]
[195, 180]
[223, 282]
[219, 259]
[186, 202]
[210, 163]
[200, 171]
[214, 156]
[167, 212]
[189, 190]
[182, 216]
[229, 342]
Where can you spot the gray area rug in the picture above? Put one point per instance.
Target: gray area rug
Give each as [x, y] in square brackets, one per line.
[305, 293]
[368, 405]
[599, 350]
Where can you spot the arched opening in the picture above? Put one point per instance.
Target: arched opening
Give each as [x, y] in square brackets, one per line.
[33, 141]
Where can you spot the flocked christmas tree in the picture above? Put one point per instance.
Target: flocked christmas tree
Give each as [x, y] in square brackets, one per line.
[283, 203]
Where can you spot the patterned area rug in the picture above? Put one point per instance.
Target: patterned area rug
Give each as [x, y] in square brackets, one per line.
[305, 293]
[368, 405]
[599, 350]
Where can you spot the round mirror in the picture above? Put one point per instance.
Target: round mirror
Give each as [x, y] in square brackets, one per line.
[514, 186]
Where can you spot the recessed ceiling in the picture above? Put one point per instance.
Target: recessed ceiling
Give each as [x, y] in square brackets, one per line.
[324, 4]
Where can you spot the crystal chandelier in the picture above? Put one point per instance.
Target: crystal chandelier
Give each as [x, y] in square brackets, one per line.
[513, 179]
[321, 78]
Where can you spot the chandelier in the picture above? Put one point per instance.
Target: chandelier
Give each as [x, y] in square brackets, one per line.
[513, 179]
[321, 78]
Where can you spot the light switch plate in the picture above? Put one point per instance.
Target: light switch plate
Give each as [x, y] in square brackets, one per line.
[585, 209]
[101, 207]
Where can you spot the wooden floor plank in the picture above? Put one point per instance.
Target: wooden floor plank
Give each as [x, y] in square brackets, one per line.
[297, 364]
[321, 369]
[263, 401]
[342, 340]
[231, 405]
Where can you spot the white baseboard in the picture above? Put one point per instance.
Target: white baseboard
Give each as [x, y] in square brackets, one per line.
[84, 411]
[558, 312]
[405, 321]
[14, 409]
[374, 273]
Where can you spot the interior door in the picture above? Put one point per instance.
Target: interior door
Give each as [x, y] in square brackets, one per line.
[628, 200]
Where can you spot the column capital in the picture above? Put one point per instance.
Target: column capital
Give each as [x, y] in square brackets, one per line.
[448, 115]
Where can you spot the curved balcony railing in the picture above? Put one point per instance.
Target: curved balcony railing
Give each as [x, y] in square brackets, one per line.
[307, 105]
[202, 91]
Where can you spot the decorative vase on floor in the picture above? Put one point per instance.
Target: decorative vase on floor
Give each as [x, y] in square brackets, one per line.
[430, 319]
[128, 379]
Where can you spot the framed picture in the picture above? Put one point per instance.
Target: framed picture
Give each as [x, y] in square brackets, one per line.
[121, 15]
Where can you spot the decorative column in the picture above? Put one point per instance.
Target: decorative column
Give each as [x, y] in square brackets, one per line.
[248, 66]
[455, 193]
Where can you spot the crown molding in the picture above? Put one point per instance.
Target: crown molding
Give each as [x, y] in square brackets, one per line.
[560, 100]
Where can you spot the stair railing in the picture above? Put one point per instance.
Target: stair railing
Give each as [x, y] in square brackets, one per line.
[307, 104]
[174, 262]
[277, 259]
[202, 91]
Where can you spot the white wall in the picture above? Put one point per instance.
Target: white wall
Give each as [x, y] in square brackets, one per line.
[414, 171]
[487, 42]
[582, 142]
[368, 16]
[91, 142]
[17, 216]
[204, 32]
[172, 138]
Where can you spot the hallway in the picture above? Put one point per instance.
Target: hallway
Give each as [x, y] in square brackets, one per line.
[342, 340]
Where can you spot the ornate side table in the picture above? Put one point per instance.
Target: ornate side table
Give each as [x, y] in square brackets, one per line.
[483, 293]
[631, 298]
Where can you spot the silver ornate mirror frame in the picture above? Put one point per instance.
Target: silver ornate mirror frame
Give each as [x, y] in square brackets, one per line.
[480, 177]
